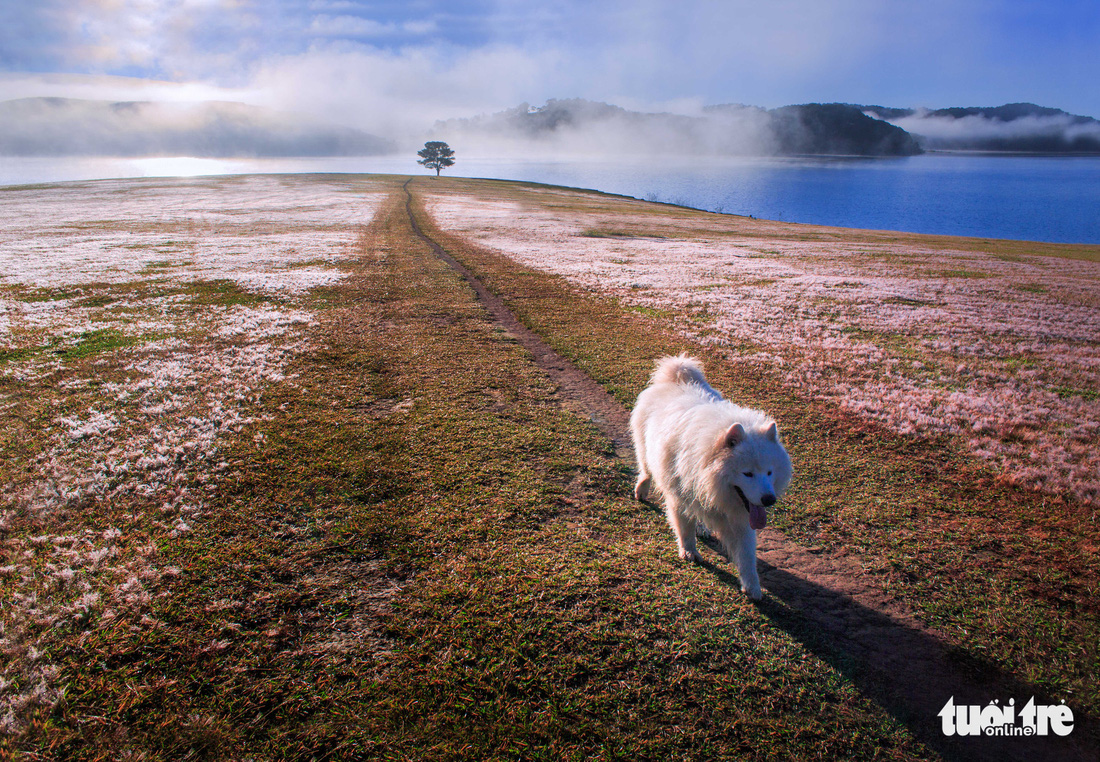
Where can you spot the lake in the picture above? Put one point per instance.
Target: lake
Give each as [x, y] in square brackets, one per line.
[1053, 199]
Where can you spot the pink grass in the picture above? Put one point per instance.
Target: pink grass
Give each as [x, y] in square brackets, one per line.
[1003, 353]
[146, 437]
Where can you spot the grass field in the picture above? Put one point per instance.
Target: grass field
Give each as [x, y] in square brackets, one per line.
[277, 486]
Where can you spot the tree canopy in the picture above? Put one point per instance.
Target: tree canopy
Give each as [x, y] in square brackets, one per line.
[436, 155]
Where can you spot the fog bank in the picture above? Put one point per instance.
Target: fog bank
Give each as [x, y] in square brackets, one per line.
[72, 127]
[1016, 127]
[577, 127]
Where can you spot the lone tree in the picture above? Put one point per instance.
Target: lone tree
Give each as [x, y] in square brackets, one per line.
[436, 155]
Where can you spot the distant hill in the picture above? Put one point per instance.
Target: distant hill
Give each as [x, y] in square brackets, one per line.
[1012, 128]
[70, 127]
[568, 127]
[582, 126]
[837, 129]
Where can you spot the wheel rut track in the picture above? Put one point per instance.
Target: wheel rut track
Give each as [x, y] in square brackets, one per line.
[578, 390]
[825, 600]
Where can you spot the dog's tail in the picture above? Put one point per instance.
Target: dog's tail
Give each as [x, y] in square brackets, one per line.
[680, 369]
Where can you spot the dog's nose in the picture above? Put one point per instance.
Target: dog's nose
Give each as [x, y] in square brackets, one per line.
[767, 501]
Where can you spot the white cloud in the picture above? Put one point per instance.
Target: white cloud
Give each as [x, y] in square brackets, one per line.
[357, 26]
[334, 6]
[396, 68]
[401, 94]
[183, 38]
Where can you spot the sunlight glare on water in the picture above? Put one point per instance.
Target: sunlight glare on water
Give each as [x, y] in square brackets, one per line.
[182, 166]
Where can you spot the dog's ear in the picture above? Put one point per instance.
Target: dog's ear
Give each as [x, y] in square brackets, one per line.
[735, 436]
[772, 432]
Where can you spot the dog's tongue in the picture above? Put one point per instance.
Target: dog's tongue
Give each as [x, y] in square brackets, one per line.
[758, 516]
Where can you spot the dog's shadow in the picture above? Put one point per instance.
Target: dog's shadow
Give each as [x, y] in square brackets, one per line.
[905, 669]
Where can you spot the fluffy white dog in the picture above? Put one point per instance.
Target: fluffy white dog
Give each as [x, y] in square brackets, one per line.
[714, 462]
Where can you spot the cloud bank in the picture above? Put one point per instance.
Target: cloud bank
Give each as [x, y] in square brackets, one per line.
[561, 129]
[394, 68]
[577, 127]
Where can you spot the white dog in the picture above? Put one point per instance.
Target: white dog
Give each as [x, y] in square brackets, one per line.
[714, 463]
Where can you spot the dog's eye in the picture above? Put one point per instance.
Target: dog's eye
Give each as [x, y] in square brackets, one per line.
[748, 473]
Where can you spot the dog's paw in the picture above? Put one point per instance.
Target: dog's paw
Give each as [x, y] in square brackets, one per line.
[641, 489]
[753, 592]
[691, 556]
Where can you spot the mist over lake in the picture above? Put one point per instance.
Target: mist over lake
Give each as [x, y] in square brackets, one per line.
[1053, 199]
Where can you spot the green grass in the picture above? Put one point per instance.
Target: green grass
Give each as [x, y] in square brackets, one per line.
[97, 341]
[651, 312]
[908, 301]
[957, 273]
[17, 353]
[466, 577]
[220, 293]
[860, 489]
[160, 267]
[25, 294]
[86, 344]
[416, 553]
[1071, 391]
[623, 234]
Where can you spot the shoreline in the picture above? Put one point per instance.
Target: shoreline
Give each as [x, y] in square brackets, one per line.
[1005, 197]
[1091, 251]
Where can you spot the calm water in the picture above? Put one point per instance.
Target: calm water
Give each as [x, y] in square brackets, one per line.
[1029, 198]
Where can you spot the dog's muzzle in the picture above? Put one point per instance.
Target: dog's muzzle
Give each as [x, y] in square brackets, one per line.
[758, 514]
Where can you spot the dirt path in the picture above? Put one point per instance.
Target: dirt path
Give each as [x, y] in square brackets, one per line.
[825, 600]
[578, 391]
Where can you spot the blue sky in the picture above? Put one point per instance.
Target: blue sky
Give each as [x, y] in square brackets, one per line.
[391, 65]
